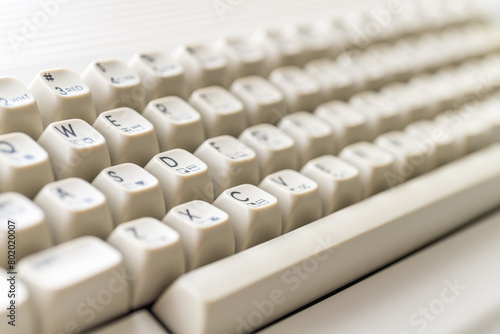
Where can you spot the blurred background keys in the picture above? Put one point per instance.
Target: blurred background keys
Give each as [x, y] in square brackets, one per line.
[160, 75]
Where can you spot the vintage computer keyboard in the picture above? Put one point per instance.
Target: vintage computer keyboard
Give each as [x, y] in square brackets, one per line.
[217, 187]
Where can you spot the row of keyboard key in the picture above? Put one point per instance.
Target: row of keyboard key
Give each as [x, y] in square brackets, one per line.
[60, 94]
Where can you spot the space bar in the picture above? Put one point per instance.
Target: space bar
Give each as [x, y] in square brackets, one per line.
[246, 291]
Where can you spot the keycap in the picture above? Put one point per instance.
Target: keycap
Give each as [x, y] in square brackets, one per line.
[131, 192]
[412, 158]
[221, 112]
[374, 73]
[431, 52]
[205, 230]
[253, 213]
[27, 222]
[114, 85]
[74, 208]
[182, 177]
[376, 166]
[397, 62]
[152, 254]
[341, 35]
[316, 43]
[60, 95]
[383, 20]
[138, 322]
[24, 165]
[281, 48]
[409, 22]
[176, 123]
[130, 137]
[412, 101]
[18, 109]
[76, 285]
[439, 91]
[489, 111]
[481, 39]
[301, 90]
[382, 113]
[264, 103]
[274, 148]
[473, 131]
[329, 253]
[75, 149]
[348, 124]
[436, 138]
[229, 161]
[489, 66]
[298, 197]
[160, 75]
[451, 38]
[337, 82]
[202, 65]
[467, 81]
[312, 136]
[244, 56]
[409, 48]
[339, 182]
[17, 307]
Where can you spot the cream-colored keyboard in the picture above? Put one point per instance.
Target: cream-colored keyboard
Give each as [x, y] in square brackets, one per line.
[220, 186]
